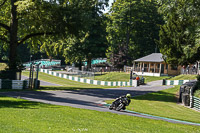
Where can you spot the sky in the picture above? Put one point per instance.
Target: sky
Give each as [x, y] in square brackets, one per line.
[110, 3]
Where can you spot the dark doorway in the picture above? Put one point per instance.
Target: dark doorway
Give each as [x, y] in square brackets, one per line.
[162, 68]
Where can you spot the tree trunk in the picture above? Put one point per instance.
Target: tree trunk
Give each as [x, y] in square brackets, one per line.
[13, 37]
[80, 64]
[89, 62]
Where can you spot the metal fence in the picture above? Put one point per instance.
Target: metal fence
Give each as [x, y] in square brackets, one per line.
[83, 74]
[146, 69]
[103, 69]
[128, 68]
[78, 73]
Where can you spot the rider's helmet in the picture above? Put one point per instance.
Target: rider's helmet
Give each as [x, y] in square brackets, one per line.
[128, 96]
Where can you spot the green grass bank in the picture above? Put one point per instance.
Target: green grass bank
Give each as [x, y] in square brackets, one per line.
[21, 116]
[65, 83]
[163, 103]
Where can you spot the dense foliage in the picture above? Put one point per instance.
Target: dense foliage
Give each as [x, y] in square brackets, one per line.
[78, 30]
[132, 30]
[42, 24]
[179, 36]
[90, 43]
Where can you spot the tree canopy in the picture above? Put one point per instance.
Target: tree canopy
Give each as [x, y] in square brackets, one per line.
[133, 28]
[79, 30]
[179, 36]
[40, 23]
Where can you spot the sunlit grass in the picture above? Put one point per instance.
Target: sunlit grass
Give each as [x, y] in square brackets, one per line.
[66, 84]
[17, 116]
[184, 77]
[122, 76]
[163, 103]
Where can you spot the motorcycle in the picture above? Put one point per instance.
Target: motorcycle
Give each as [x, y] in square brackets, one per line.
[118, 104]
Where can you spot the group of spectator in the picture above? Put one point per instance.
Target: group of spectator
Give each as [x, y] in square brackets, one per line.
[189, 69]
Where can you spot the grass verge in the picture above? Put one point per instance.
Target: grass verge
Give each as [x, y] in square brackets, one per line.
[122, 76]
[17, 116]
[163, 103]
[184, 77]
[151, 78]
[66, 84]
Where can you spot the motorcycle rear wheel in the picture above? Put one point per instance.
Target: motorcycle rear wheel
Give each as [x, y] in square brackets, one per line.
[120, 107]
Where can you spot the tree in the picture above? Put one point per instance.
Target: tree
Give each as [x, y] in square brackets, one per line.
[38, 21]
[91, 43]
[179, 36]
[133, 24]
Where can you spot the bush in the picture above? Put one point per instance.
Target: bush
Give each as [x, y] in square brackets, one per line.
[198, 78]
[197, 87]
[197, 93]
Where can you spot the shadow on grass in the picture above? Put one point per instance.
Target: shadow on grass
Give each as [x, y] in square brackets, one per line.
[19, 103]
[64, 88]
[77, 96]
[52, 97]
[99, 74]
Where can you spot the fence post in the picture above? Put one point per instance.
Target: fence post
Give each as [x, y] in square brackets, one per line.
[163, 83]
[191, 97]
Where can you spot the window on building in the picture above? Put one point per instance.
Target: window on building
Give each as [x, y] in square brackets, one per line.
[158, 66]
[174, 67]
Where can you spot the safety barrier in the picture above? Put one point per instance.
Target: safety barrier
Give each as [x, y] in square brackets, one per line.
[195, 102]
[133, 83]
[174, 82]
[13, 84]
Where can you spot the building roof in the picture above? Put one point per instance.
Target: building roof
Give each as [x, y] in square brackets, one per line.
[154, 57]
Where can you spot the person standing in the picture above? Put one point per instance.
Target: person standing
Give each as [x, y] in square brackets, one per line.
[188, 69]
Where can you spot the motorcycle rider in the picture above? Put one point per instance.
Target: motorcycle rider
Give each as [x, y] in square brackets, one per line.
[127, 97]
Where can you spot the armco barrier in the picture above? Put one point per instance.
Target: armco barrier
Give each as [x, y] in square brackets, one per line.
[13, 84]
[196, 102]
[133, 83]
[193, 102]
[174, 82]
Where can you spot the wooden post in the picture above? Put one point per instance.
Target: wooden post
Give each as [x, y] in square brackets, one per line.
[198, 68]
[160, 68]
[149, 67]
[143, 65]
[154, 68]
[140, 66]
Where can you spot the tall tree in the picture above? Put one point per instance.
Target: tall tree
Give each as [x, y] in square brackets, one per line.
[92, 42]
[38, 21]
[179, 36]
[134, 26]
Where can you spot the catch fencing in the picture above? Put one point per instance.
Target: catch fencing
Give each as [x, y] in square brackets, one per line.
[73, 71]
